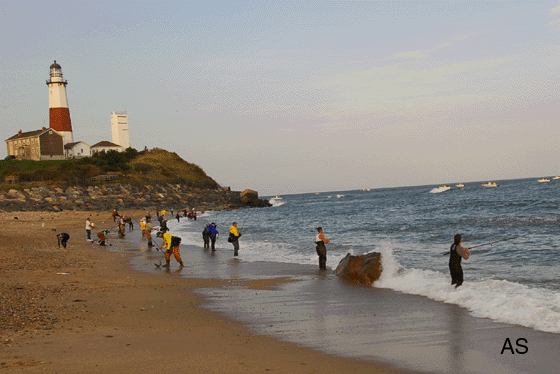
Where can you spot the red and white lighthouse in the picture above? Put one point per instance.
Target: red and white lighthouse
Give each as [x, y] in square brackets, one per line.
[59, 114]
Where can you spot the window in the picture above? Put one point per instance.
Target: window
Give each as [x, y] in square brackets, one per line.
[32, 141]
[19, 142]
[32, 150]
[37, 149]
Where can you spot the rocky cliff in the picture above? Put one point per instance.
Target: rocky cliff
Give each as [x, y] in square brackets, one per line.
[119, 195]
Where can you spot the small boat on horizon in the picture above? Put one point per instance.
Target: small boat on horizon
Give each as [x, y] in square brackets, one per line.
[556, 177]
[460, 185]
[276, 198]
[440, 189]
[543, 180]
[490, 184]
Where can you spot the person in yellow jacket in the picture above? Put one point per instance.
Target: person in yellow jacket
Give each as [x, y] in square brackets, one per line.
[163, 212]
[234, 235]
[171, 244]
[143, 228]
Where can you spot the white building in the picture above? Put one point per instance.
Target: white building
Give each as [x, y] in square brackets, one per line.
[77, 150]
[105, 146]
[119, 129]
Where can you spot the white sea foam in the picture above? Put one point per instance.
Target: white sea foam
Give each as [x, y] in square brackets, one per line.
[276, 203]
[500, 300]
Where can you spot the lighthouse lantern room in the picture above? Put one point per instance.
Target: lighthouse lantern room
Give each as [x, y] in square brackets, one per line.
[59, 114]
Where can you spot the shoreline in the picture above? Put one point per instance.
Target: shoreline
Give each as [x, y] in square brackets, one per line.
[91, 312]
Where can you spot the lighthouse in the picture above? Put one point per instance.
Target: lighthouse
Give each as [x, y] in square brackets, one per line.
[59, 114]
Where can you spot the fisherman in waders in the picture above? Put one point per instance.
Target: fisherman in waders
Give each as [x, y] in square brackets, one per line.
[148, 232]
[62, 239]
[320, 240]
[171, 243]
[213, 235]
[206, 236]
[234, 238]
[457, 252]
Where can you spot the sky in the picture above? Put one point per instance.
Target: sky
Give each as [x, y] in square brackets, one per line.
[300, 96]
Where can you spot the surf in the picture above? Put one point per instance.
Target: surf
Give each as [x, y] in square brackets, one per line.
[496, 299]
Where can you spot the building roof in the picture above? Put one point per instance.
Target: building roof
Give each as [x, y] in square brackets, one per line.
[55, 65]
[71, 145]
[105, 143]
[30, 134]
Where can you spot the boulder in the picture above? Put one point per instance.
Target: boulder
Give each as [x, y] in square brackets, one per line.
[249, 196]
[364, 269]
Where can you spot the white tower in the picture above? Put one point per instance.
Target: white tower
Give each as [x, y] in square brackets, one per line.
[119, 129]
[59, 114]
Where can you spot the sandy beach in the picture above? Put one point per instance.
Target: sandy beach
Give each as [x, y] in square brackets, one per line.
[84, 310]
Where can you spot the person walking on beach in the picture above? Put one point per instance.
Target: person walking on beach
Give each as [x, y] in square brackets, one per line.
[178, 217]
[457, 253]
[62, 239]
[234, 235]
[171, 244]
[103, 237]
[89, 225]
[163, 226]
[206, 236]
[320, 240]
[213, 235]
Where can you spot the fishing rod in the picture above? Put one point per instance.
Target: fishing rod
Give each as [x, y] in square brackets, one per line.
[482, 245]
[247, 216]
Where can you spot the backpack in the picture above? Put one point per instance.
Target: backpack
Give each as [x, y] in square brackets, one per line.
[175, 241]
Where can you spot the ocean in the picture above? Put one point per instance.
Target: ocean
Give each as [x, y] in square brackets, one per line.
[513, 282]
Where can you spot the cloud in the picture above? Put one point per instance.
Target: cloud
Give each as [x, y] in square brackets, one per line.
[553, 26]
[426, 53]
[555, 10]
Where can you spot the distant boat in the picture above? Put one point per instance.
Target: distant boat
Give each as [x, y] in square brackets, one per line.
[276, 198]
[339, 196]
[556, 177]
[459, 185]
[542, 180]
[440, 189]
[490, 184]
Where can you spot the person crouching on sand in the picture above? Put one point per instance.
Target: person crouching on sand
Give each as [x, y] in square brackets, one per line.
[457, 253]
[320, 240]
[62, 239]
[102, 235]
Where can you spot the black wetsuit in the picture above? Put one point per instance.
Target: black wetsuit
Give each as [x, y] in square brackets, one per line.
[322, 252]
[455, 266]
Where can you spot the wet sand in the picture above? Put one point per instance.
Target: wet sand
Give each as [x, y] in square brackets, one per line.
[324, 313]
[84, 310]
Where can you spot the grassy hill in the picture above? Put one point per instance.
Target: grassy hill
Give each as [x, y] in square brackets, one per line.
[161, 165]
[156, 165]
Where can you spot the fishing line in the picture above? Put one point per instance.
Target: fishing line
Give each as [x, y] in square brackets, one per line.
[482, 245]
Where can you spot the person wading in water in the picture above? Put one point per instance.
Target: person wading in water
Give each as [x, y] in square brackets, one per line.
[320, 240]
[457, 253]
